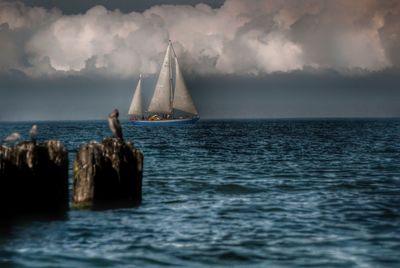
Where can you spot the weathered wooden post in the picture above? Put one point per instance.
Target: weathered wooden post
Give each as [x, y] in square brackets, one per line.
[33, 178]
[108, 175]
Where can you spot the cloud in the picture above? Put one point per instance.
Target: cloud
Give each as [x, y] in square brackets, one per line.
[241, 37]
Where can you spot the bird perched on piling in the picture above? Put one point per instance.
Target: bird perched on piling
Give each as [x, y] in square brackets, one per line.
[115, 125]
[33, 133]
[12, 138]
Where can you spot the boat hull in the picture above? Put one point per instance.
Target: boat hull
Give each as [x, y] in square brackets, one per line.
[165, 122]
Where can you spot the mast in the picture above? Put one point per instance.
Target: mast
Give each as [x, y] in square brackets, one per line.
[170, 75]
[182, 99]
[136, 108]
[161, 100]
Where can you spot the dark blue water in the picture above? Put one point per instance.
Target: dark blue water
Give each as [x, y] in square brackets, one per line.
[278, 193]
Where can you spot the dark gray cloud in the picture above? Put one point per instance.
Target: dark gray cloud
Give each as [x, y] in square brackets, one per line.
[78, 6]
[291, 95]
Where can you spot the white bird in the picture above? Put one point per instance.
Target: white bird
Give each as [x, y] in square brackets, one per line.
[13, 137]
[33, 133]
[115, 125]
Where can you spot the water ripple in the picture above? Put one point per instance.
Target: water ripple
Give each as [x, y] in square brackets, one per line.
[280, 193]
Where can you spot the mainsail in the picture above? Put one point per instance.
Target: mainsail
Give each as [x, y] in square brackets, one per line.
[161, 100]
[136, 108]
[182, 100]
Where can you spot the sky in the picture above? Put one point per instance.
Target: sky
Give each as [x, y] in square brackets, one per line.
[73, 60]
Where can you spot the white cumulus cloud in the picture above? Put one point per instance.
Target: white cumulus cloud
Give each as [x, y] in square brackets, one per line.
[240, 37]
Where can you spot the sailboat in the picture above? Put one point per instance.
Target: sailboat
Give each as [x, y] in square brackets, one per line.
[170, 98]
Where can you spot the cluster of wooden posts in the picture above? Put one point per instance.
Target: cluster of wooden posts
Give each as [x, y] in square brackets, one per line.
[34, 177]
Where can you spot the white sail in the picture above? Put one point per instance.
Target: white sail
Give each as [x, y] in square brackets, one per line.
[161, 100]
[182, 99]
[136, 108]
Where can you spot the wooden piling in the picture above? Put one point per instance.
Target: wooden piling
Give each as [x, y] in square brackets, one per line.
[108, 174]
[33, 178]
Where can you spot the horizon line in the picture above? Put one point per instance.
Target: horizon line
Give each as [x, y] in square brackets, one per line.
[221, 118]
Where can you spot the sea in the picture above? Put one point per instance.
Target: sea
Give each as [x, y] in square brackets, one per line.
[232, 193]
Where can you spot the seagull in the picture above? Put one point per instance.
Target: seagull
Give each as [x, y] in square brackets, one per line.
[115, 125]
[33, 133]
[13, 137]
